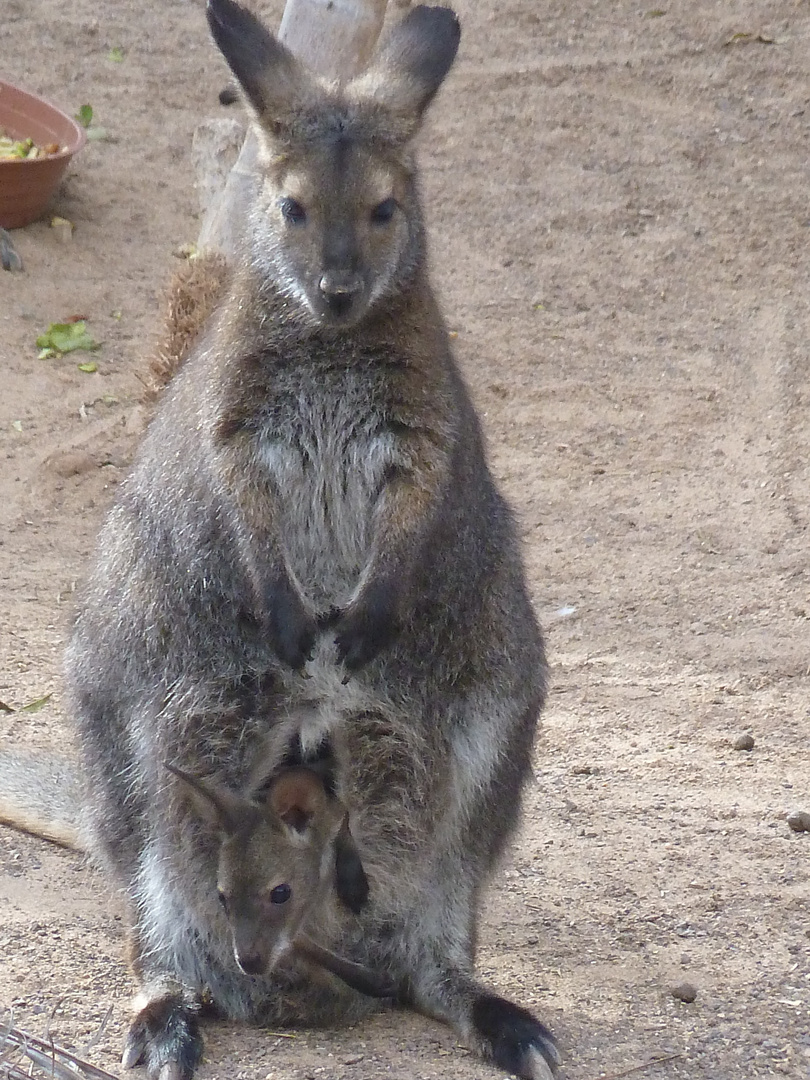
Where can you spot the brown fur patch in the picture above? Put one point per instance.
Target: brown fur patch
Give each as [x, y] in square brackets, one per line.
[193, 294]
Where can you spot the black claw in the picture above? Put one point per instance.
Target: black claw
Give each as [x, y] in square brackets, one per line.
[134, 1048]
[291, 628]
[368, 626]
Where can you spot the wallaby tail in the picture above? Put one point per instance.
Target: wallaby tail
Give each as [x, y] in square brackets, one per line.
[40, 793]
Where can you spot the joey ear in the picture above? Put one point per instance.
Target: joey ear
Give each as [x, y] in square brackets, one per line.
[412, 61]
[268, 73]
[213, 804]
[297, 795]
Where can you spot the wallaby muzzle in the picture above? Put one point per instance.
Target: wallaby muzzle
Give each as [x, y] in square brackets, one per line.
[340, 291]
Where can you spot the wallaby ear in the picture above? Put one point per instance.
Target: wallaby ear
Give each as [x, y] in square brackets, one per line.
[412, 61]
[296, 796]
[269, 74]
[351, 882]
[213, 804]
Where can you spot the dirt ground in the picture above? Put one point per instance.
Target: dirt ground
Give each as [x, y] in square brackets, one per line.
[618, 202]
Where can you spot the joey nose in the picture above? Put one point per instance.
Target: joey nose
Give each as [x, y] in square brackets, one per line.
[250, 962]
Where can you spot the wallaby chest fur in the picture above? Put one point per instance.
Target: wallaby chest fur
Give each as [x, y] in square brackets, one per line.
[311, 546]
[323, 424]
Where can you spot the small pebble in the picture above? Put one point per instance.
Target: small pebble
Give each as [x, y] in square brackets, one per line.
[744, 742]
[684, 992]
[799, 821]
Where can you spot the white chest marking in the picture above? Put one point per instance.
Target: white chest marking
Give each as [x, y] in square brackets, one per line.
[328, 480]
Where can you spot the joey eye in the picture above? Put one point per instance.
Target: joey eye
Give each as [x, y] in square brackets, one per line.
[223, 900]
[293, 211]
[383, 212]
[281, 894]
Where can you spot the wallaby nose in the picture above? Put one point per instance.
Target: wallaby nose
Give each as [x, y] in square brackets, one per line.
[340, 283]
[340, 290]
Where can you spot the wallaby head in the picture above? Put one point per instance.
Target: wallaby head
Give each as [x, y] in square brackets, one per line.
[283, 844]
[337, 223]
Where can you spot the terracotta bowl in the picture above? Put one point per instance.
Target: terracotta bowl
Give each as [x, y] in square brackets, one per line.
[26, 186]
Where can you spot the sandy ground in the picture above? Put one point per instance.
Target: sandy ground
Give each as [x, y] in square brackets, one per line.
[618, 201]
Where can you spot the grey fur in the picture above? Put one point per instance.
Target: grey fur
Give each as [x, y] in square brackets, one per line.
[310, 543]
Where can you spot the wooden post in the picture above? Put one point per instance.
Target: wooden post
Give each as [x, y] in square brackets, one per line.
[334, 38]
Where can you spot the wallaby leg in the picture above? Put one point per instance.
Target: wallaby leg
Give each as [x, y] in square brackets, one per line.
[428, 952]
[435, 940]
[164, 1036]
[501, 1032]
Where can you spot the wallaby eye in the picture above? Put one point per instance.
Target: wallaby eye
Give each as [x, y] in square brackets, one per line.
[293, 211]
[223, 899]
[383, 212]
[281, 894]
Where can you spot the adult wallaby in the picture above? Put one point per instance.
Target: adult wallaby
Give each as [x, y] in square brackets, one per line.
[310, 546]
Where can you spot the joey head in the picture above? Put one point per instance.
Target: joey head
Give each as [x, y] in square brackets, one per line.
[283, 846]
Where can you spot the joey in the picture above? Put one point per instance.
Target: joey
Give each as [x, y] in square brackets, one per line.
[283, 844]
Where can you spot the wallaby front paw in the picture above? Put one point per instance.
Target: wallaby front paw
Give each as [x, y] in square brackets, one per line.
[165, 1037]
[518, 1043]
[291, 628]
[365, 629]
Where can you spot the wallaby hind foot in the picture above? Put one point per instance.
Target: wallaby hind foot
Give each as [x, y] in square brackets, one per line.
[514, 1039]
[164, 1036]
[500, 1031]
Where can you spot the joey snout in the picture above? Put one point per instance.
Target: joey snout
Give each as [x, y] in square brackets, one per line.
[251, 963]
[256, 950]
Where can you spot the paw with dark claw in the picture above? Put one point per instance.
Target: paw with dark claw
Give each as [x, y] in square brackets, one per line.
[519, 1044]
[165, 1037]
[366, 627]
[292, 630]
